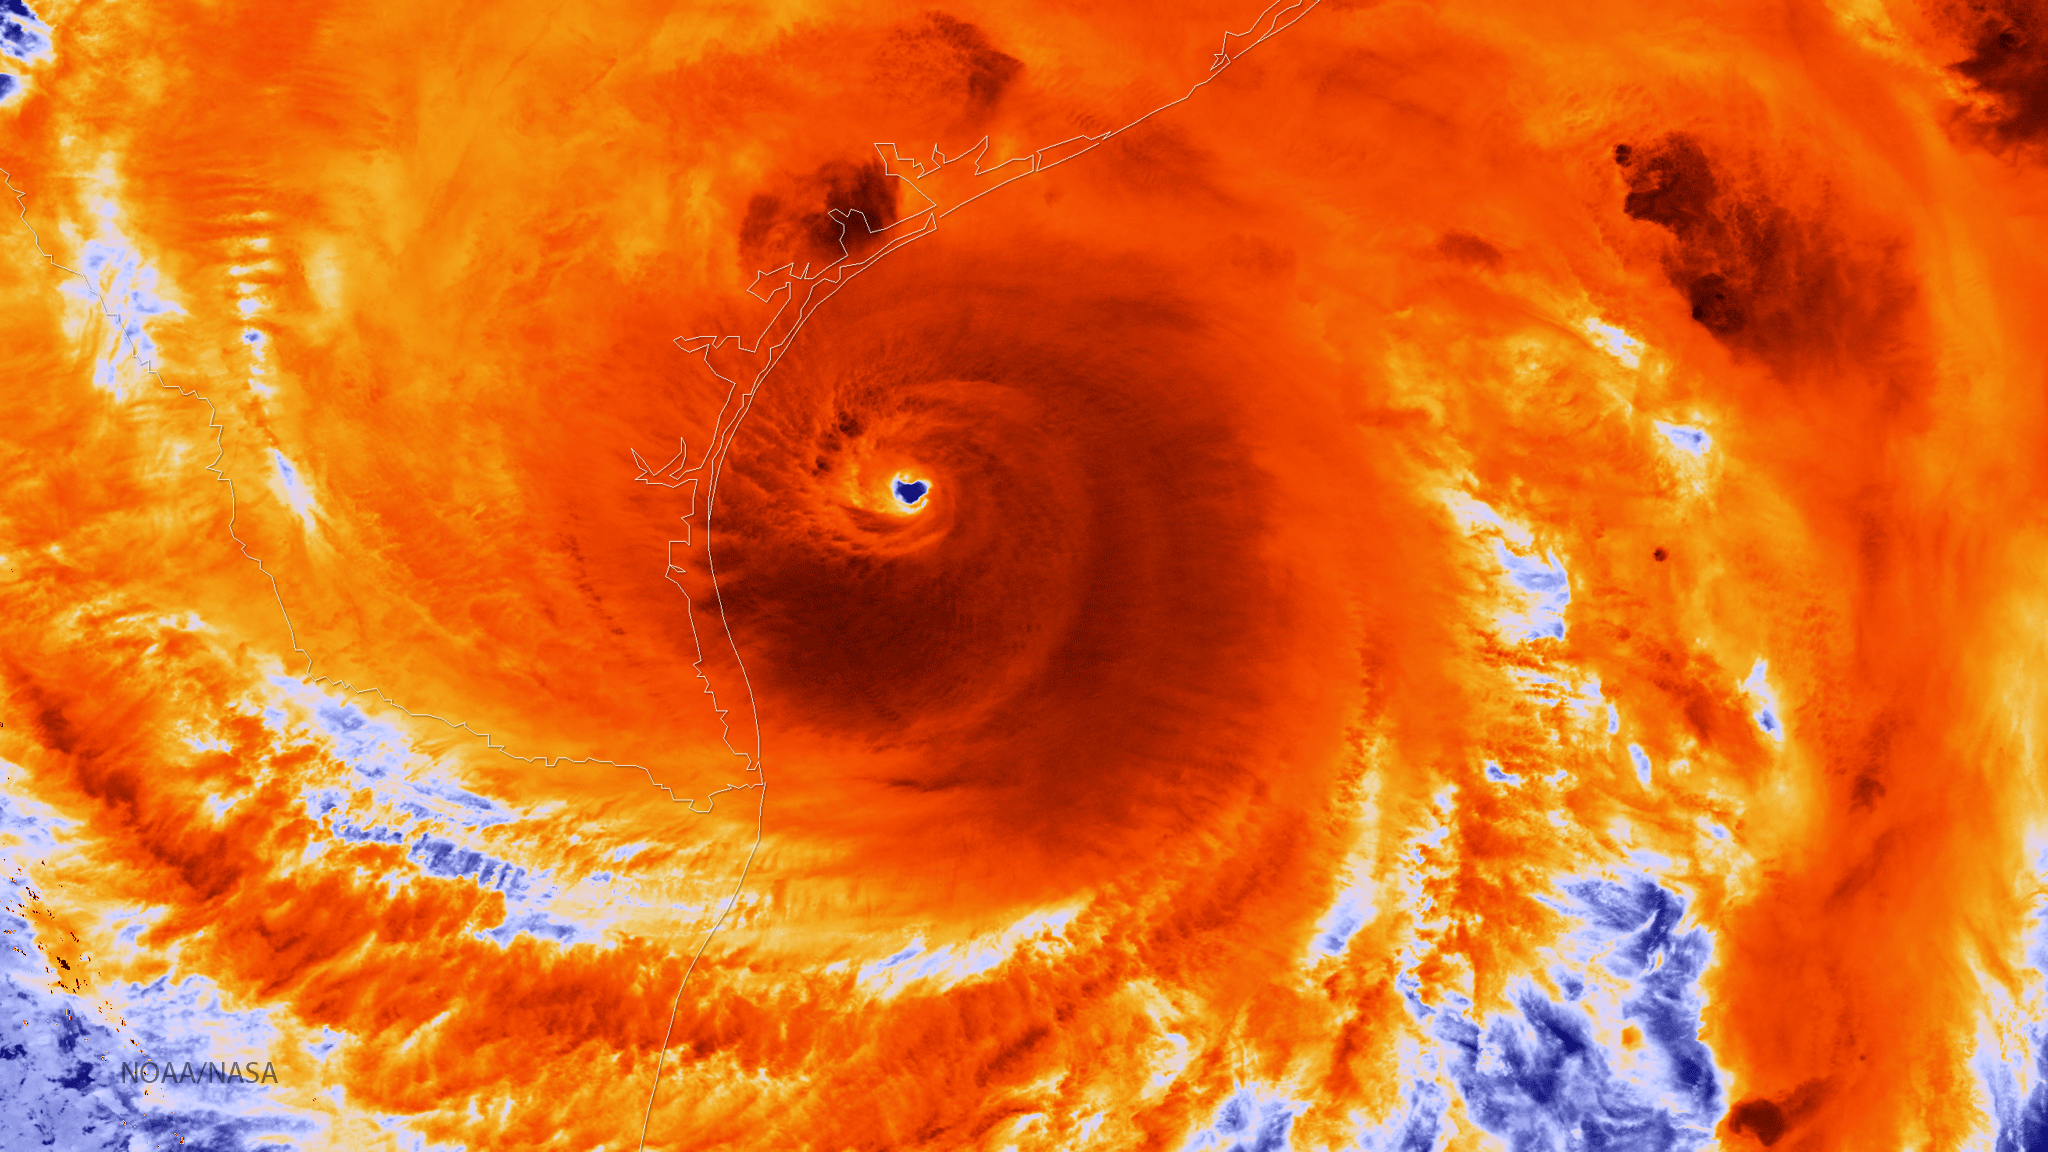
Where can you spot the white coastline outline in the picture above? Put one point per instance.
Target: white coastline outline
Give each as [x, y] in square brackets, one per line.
[677, 472]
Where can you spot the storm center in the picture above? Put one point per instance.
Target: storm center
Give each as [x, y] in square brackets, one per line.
[910, 492]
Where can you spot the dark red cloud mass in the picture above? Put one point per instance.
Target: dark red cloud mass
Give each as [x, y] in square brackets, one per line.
[1361, 576]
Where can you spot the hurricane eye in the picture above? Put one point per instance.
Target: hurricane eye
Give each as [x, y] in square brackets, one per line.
[909, 492]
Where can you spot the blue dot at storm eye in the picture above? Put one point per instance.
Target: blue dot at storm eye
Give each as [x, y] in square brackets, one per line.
[911, 491]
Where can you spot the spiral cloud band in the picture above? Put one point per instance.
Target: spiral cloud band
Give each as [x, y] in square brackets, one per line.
[1355, 575]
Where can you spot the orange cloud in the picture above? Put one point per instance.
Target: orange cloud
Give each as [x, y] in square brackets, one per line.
[1475, 585]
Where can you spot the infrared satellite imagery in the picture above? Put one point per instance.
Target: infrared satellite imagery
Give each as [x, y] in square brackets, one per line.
[823, 576]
